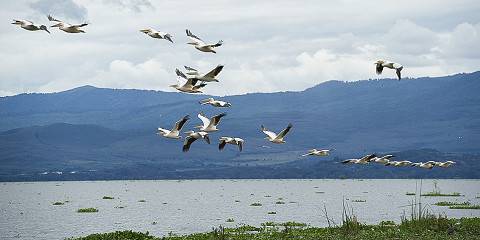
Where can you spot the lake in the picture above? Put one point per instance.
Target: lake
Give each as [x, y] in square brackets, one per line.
[187, 206]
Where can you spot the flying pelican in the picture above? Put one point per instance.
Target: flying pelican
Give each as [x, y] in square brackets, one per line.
[364, 160]
[444, 164]
[380, 64]
[156, 34]
[215, 103]
[209, 77]
[201, 45]
[67, 27]
[231, 140]
[273, 137]
[174, 133]
[383, 160]
[427, 165]
[192, 137]
[316, 152]
[398, 163]
[28, 25]
[189, 86]
[210, 125]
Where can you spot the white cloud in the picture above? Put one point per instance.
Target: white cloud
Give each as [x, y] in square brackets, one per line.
[269, 46]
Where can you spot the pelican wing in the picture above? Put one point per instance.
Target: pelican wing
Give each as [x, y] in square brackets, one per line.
[26, 22]
[379, 68]
[168, 37]
[180, 73]
[240, 146]
[206, 138]
[50, 18]
[179, 124]
[80, 25]
[399, 74]
[217, 44]
[348, 161]
[285, 131]
[214, 72]
[221, 144]
[216, 119]
[190, 69]
[194, 38]
[186, 144]
[204, 119]
[164, 131]
[205, 101]
[270, 134]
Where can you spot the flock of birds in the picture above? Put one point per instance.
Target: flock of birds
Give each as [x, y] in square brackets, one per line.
[192, 81]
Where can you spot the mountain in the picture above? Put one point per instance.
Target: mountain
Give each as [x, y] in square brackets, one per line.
[100, 133]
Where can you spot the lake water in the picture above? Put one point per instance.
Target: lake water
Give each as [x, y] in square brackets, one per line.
[27, 210]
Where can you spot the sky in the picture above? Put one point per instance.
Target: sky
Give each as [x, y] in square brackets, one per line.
[269, 46]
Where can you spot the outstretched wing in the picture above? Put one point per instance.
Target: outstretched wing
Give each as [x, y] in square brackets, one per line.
[399, 74]
[186, 144]
[205, 101]
[194, 38]
[217, 44]
[206, 138]
[270, 134]
[216, 119]
[164, 131]
[240, 146]
[168, 37]
[285, 131]
[204, 119]
[180, 73]
[214, 72]
[190, 69]
[221, 144]
[179, 124]
[50, 18]
[379, 68]
[80, 25]
[347, 161]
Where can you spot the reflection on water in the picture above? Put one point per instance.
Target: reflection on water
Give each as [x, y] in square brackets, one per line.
[27, 210]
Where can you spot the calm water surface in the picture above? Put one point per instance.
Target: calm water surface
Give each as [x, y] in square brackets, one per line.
[27, 210]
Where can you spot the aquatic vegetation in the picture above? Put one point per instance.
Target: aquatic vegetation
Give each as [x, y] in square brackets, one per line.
[58, 203]
[267, 196]
[387, 223]
[448, 204]
[410, 194]
[230, 220]
[359, 200]
[107, 197]
[272, 213]
[256, 204]
[320, 192]
[119, 207]
[279, 202]
[142, 200]
[428, 228]
[439, 194]
[237, 201]
[87, 210]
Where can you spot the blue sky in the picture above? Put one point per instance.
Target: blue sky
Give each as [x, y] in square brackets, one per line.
[268, 45]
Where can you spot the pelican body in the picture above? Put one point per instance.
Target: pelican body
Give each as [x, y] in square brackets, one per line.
[315, 152]
[427, 165]
[210, 125]
[380, 64]
[69, 28]
[189, 86]
[174, 133]
[156, 34]
[273, 137]
[30, 26]
[231, 140]
[192, 137]
[444, 164]
[209, 77]
[200, 45]
[364, 160]
[215, 103]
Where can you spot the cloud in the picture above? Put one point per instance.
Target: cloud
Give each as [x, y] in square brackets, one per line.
[62, 8]
[134, 5]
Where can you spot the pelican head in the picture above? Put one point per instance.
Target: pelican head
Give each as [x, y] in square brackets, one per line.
[44, 28]
[379, 62]
[213, 51]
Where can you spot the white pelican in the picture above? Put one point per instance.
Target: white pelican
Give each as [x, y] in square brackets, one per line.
[67, 27]
[383, 160]
[398, 163]
[316, 152]
[201, 45]
[209, 77]
[273, 137]
[174, 133]
[25, 24]
[231, 140]
[156, 34]
[215, 103]
[380, 64]
[444, 164]
[189, 86]
[364, 160]
[210, 125]
[427, 165]
[192, 137]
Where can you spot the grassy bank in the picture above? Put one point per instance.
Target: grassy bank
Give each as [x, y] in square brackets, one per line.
[426, 228]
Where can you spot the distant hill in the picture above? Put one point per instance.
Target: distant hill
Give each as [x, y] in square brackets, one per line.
[110, 134]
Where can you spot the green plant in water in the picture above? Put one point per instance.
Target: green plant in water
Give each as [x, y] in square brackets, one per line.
[256, 204]
[142, 200]
[279, 202]
[410, 194]
[87, 210]
[230, 220]
[272, 213]
[107, 197]
[58, 203]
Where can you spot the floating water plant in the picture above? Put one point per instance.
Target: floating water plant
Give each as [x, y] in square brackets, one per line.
[87, 210]
[107, 197]
[256, 204]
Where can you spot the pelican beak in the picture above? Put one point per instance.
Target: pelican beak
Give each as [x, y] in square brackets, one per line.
[191, 43]
[56, 25]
